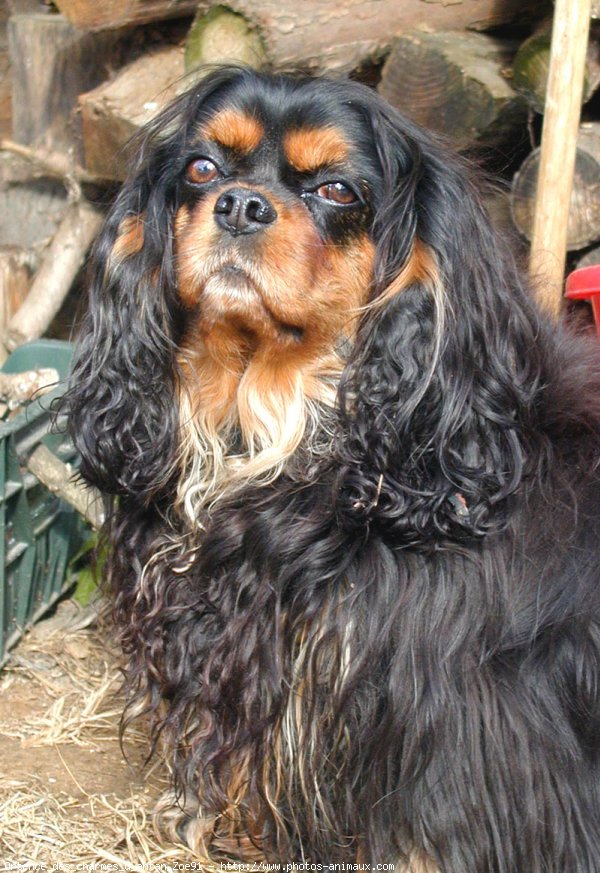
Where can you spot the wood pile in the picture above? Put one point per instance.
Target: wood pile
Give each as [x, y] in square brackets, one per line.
[79, 77]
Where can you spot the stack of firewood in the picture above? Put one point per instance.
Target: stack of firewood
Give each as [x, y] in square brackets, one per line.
[79, 77]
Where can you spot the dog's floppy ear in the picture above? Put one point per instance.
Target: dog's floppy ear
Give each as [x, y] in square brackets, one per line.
[121, 402]
[439, 391]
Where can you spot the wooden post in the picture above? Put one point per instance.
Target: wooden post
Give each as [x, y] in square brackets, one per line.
[557, 161]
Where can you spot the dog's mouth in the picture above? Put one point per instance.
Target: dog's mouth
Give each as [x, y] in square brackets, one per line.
[231, 294]
[230, 284]
[235, 273]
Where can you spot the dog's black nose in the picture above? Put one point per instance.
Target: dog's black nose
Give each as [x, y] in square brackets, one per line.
[241, 210]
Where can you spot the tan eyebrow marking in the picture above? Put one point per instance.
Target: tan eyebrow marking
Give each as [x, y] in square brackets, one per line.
[309, 148]
[234, 130]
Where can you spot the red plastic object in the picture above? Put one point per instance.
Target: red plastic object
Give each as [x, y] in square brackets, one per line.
[584, 284]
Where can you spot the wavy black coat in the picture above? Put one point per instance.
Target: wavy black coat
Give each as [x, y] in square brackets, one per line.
[440, 566]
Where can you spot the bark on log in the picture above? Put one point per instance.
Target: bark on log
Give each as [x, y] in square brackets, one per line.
[219, 36]
[92, 15]
[454, 83]
[583, 227]
[114, 111]
[339, 36]
[53, 280]
[316, 34]
[532, 61]
[52, 63]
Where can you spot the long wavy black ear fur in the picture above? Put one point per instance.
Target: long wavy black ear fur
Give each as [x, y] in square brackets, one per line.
[121, 403]
[439, 399]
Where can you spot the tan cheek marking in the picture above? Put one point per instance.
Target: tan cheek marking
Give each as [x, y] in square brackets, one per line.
[130, 237]
[181, 219]
[309, 148]
[195, 237]
[234, 130]
[290, 254]
[344, 284]
[420, 266]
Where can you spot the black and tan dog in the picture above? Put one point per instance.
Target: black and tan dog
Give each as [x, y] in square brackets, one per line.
[356, 528]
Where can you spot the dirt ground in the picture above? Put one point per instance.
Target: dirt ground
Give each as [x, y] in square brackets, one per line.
[69, 800]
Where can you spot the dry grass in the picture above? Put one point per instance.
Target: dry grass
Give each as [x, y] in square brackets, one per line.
[37, 827]
[74, 672]
[76, 669]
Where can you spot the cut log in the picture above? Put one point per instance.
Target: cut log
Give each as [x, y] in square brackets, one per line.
[590, 259]
[583, 227]
[220, 36]
[454, 83]
[114, 111]
[497, 203]
[340, 36]
[92, 15]
[53, 280]
[314, 34]
[52, 63]
[532, 61]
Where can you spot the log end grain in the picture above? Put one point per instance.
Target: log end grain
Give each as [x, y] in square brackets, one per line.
[454, 83]
[222, 36]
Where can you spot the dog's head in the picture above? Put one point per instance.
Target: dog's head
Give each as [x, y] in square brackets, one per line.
[277, 233]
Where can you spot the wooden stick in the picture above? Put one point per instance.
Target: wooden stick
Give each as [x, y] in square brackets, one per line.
[557, 161]
[60, 479]
[55, 276]
[52, 163]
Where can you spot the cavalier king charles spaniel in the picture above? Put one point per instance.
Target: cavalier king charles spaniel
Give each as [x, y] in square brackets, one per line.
[355, 523]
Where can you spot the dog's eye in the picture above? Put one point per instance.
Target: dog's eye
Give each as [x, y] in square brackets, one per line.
[337, 192]
[200, 171]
